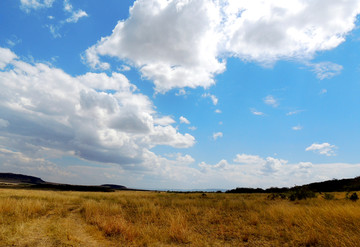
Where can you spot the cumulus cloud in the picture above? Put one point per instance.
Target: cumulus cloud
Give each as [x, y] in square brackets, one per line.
[6, 56]
[48, 108]
[28, 5]
[248, 159]
[273, 165]
[323, 148]
[184, 120]
[326, 70]
[181, 43]
[270, 100]
[166, 120]
[173, 43]
[217, 135]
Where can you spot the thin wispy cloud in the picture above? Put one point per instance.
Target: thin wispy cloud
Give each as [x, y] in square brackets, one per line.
[256, 113]
[270, 100]
[217, 135]
[326, 70]
[294, 112]
[297, 127]
[323, 91]
[213, 98]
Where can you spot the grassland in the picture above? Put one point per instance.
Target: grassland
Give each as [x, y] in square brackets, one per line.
[129, 218]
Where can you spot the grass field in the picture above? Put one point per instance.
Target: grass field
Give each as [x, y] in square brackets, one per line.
[129, 218]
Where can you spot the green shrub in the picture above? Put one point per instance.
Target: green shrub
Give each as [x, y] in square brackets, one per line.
[301, 194]
[328, 196]
[354, 197]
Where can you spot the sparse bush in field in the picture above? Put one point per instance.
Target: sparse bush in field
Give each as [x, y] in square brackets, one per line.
[301, 193]
[328, 196]
[354, 197]
[274, 196]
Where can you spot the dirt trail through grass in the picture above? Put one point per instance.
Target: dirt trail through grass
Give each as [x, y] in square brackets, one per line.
[65, 227]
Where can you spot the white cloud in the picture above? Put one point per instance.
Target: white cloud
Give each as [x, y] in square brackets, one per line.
[67, 6]
[213, 98]
[323, 148]
[13, 41]
[273, 165]
[218, 111]
[192, 128]
[266, 31]
[248, 159]
[297, 127]
[166, 120]
[124, 68]
[27, 5]
[75, 15]
[181, 92]
[54, 28]
[149, 36]
[6, 56]
[181, 44]
[270, 100]
[326, 70]
[48, 108]
[323, 91]
[256, 113]
[74, 18]
[217, 135]
[184, 120]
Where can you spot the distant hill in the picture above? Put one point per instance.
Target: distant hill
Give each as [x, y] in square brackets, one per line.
[19, 178]
[114, 186]
[31, 182]
[335, 185]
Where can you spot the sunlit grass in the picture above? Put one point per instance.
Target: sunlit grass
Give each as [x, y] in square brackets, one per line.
[46, 218]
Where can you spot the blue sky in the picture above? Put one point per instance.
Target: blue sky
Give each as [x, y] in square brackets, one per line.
[180, 94]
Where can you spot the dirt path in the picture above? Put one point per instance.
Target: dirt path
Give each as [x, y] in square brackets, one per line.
[65, 228]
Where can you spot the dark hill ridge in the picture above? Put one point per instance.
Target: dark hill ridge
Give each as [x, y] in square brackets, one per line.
[114, 186]
[335, 185]
[19, 178]
[31, 182]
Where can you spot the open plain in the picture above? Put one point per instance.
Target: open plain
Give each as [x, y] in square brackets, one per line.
[132, 218]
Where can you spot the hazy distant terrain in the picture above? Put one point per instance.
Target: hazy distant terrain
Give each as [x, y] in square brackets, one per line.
[31, 182]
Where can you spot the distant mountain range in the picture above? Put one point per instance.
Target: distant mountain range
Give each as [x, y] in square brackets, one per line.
[24, 181]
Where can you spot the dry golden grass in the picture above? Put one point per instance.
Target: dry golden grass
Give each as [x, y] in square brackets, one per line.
[47, 218]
